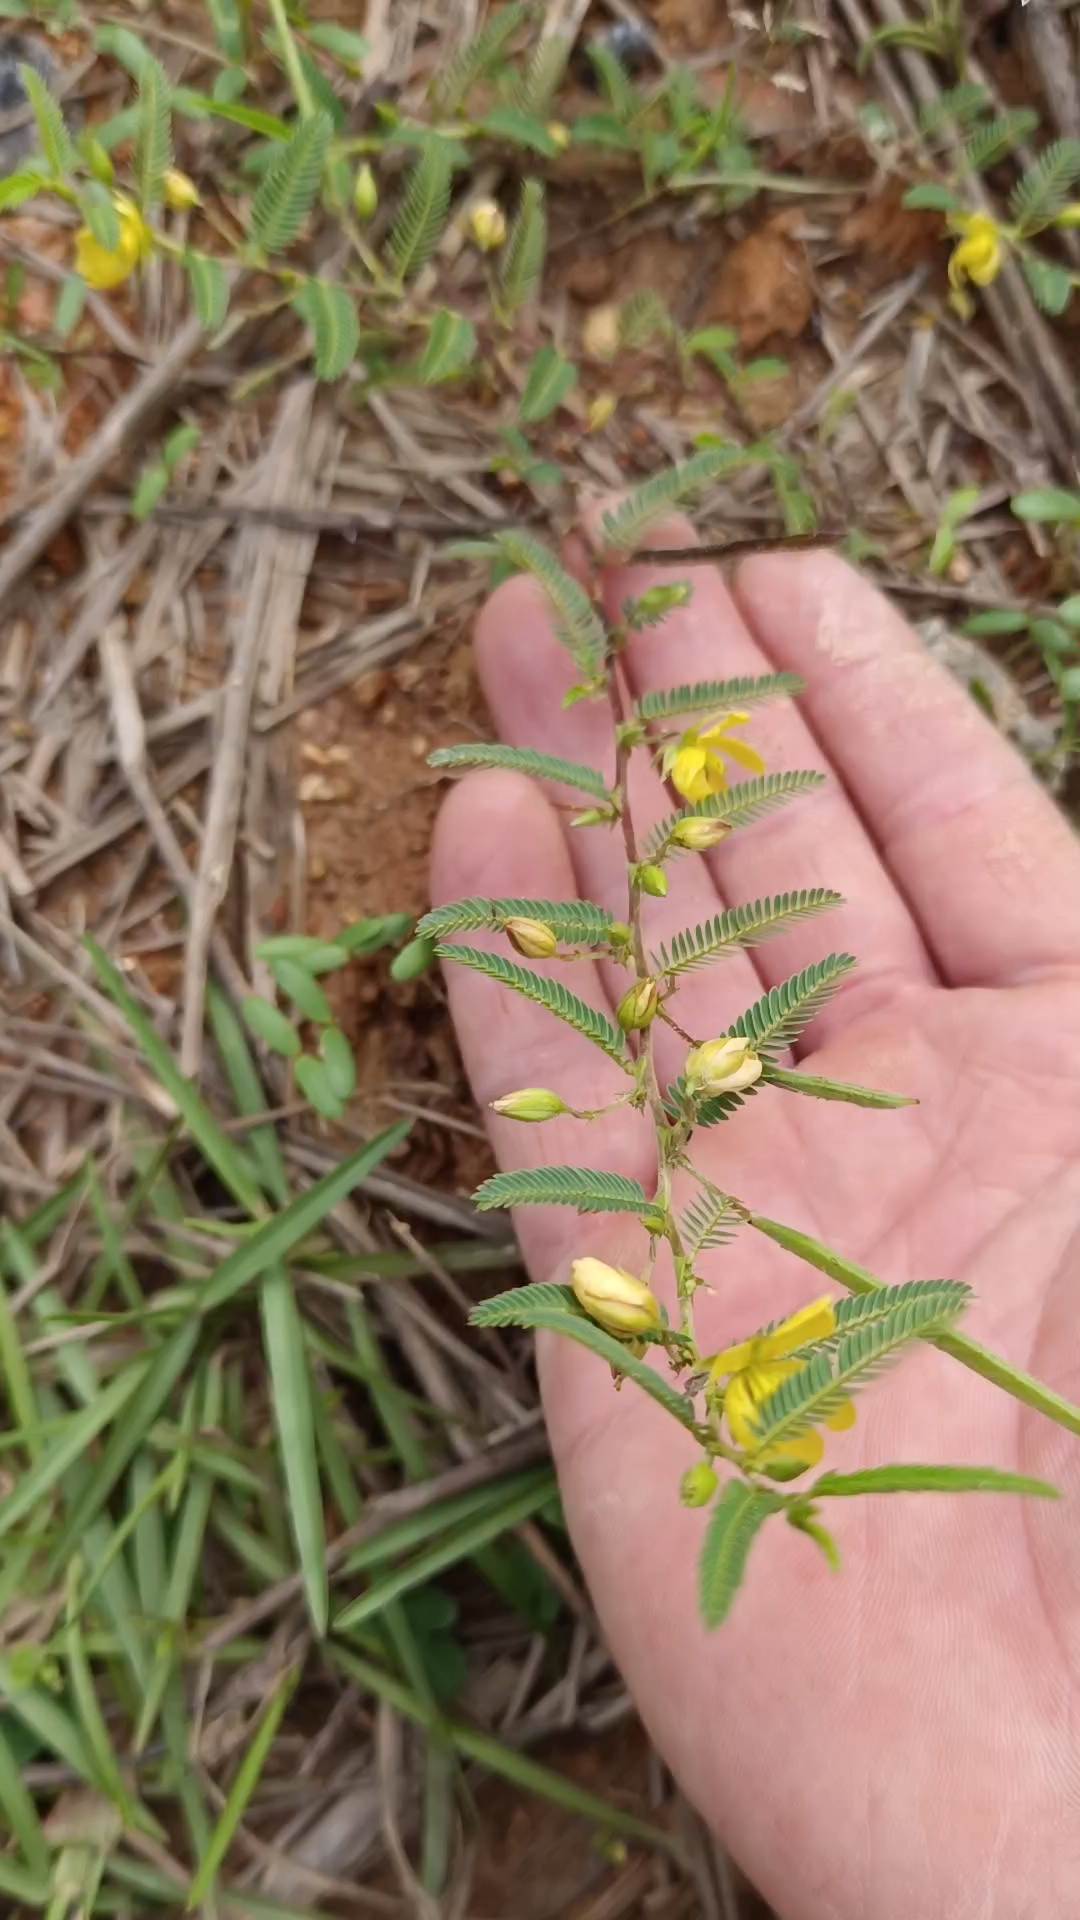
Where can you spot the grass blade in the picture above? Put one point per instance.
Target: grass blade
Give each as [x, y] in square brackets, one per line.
[290, 1386]
[244, 1785]
[80, 1430]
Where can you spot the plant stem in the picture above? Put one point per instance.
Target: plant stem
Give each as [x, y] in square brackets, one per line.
[642, 971]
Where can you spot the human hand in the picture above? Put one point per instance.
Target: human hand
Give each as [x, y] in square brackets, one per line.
[901, 1741]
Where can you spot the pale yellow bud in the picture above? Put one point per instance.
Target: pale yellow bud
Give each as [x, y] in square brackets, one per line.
[698, 1484]
[558, 134]
[614, 1298]
[601, 408]
[722, 1066]
[1069, 216]
[698, 835]
[600, 334]
[180, 192]
[638, 1006]
[652, 879]
[532, 938]
[487, 224]
[365, 193]
[530, 1103]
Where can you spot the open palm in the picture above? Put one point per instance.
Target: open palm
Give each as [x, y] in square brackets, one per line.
[901, 1742]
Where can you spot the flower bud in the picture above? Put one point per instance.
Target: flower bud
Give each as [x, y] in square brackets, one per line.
[698, 835]
[601, 408]
[98, 160]
[698, 1484]
[656, 601]
[487, 224]
[179, 191]
[532, 938]
[530, 1103]
[558, 134]
[638, 1006]
[722, 1066]
[614, 1298]
[365, 193]
[1069, 215]
[600, 333]
[652, 879]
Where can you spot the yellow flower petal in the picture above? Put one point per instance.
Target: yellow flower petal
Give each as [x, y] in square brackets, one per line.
[843, 1418]
[739, 1409]
[731, 1359]
[99, 266]
[807, 1448]
[746, 756]
[813, 1322]
[688, 773]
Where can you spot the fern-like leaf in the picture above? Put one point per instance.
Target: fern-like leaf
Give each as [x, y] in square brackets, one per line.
[523, 254]
[209, 288]
[335, 329]
[571, 920]
[556, 1309]
[833, 1372]
[479, 57]
[736, 1519]
[986, 145]
[577, 623]
[1051, 285]
[449, 348]
[517, 1306]
[742, 926]
[52, 132]
[709, 1221]
[539, 83]
[934, 1298]
[1046, 185]
[960, 105]
[741, 804]
[542, 766]
[546, 993]
[749, 690]
[624, 526]
[422, 213]
[780, 1015]
[588, 1189]
[643, 316]
[616, 85]
[153, 141]
[288, 188]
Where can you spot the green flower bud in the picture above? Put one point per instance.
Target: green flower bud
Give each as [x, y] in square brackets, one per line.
[698, 835]
[365, 197]
[652, 879]
[698, 1484]
[530, 1103]
[722, 1066]
[614, 1298]
[638, 1006]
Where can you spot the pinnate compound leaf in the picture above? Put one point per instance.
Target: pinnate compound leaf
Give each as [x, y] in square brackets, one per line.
[290, 184]
[555, 1309]
[481, 54]
[741, 804]
[209, 288]
[988, 144]
[589, 1189]
[711, 695]
[780, 1015]
[542, 766]
[735, 1520]
[1047, 184]
[835, 1371]
[330, 313]
[549, 379]
[743, 926]
[523, 254]
[422, 213]
[449, 348]
[56, 142]
[571, 920]
[546, 993]
[153, 140]
[930, 1479]
[625, 525]
[577, 622]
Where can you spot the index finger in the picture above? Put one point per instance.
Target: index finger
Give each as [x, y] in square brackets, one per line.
[989, 865]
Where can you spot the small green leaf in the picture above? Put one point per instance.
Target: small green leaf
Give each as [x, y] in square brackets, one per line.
[331, 314]
[367, 936]
[422, 213]
[930, 1479]
[342, 42]
[209, 288]
[97, 209]
[120, 44]
[1069, 610]
[518, 129]
[585, 1019]
[303, 990]
[314, 1081]
[179, 443]
[153, 140]
[538, 1306]
[450, 347]
[290, 185]
[56, 142]
[1050, 283]
[270, 1025]
[315, 955]
[1047, 503]
[549, 379]
[543, 766]
[734, 1522]
[1069, 684]
[934, 195]
[151, 484]
[995, 620]
[339, 1062]
[18, 187]
[586, 1188]
[414, 959]
[1053, 637]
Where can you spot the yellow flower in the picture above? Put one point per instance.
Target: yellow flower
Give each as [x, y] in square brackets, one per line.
[487, 224]
[758, 1366]
[695, 763]
[722, 1066]
[614, 1298]
[978, 255]
[107, 266]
